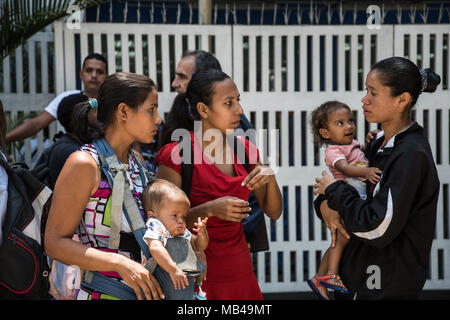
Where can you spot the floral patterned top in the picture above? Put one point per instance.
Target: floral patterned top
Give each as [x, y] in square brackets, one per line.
[95, 226]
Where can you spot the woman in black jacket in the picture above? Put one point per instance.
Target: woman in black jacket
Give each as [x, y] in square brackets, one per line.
[392, 231]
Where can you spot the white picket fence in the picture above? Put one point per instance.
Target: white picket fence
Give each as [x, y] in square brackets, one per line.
[282, 73]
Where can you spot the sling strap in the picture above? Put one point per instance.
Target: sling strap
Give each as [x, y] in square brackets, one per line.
[115, 171]
[98, 282]
[122, 202]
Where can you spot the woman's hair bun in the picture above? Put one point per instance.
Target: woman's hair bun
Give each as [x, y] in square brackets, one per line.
[430, 80]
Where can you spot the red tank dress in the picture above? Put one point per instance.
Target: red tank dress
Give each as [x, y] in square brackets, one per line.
[230, 271]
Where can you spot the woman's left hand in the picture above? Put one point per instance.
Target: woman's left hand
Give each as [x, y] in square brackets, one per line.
[258, 177]
[323, 183]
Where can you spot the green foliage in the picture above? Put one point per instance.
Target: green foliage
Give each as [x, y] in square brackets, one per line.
[21, 19]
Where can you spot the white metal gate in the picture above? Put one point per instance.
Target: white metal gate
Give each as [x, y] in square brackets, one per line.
[283, 73]
[22, 95]
[152, 49]
[300, 68]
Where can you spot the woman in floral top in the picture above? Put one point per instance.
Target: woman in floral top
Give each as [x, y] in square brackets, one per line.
[127, 109]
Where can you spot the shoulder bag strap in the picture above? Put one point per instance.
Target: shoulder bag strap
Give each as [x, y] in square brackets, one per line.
[187, 170]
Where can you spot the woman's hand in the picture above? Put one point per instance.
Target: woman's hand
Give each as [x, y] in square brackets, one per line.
[261, 180]
[323, 183]
[229, 208]
[333, 222]
[258, 177]
[371, 135]
[369, 138]
[139, 278]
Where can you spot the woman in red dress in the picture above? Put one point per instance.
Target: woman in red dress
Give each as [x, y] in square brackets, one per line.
[220, 189]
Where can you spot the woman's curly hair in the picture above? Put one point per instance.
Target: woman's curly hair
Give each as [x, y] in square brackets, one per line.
[319, 119]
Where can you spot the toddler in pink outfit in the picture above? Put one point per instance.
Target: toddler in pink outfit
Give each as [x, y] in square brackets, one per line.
[353, 155]
[333, 126]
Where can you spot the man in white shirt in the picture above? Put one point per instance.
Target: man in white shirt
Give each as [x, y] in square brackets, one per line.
[92, 74]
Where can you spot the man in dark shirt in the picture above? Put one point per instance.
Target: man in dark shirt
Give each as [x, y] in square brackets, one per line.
[56, 155]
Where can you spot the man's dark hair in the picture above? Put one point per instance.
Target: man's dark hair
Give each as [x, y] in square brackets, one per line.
[65, 109]
[96, 56]
[203, 60]
[184, 108]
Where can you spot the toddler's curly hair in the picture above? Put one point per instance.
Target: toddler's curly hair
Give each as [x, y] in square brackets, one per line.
[319, 119]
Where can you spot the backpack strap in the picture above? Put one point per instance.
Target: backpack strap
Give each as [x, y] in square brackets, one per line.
[258, 239]
[4, 164]
[187, 169]
[238, 145]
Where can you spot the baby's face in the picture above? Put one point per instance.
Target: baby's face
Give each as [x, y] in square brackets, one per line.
[341, 127]
[173, 213]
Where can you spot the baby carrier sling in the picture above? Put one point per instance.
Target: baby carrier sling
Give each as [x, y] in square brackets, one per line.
[122, 202]
[183, 255]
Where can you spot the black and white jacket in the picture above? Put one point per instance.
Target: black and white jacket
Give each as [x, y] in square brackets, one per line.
[392, 231]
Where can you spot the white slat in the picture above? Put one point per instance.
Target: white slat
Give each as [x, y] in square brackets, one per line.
[19, 70]
[139, 62]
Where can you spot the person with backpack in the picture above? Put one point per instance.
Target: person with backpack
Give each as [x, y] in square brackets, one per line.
[98, 195]
[194, 62]
[219, 190]
[24, 201]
